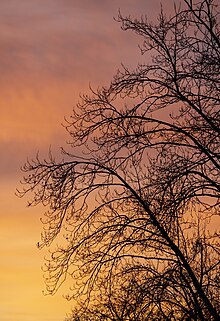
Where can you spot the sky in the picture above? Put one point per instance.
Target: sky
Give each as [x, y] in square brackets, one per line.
[50, 52]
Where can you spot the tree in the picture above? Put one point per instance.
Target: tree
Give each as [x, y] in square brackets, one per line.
[138, 298]
[126, 302]
[137, 190]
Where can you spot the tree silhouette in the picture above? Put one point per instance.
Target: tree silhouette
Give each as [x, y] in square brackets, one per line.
[137, 191]
[125, 302]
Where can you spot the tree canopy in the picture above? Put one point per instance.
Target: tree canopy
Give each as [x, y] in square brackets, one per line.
[136, 196]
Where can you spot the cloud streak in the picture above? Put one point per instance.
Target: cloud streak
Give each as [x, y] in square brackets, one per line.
[63, 39]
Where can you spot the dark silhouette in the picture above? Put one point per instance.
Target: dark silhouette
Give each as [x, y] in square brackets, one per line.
[138, 195]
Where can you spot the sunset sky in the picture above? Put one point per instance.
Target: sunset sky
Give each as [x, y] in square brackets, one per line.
[50, 51]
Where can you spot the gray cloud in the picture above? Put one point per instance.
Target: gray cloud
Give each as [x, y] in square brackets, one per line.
[67, 39]
[49, 41]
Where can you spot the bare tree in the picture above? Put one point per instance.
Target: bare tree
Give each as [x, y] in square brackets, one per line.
[140, 189]
[144, 296]
[126, 301]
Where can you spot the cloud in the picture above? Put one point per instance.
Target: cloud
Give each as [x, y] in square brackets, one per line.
[50, 50]
[75, 40]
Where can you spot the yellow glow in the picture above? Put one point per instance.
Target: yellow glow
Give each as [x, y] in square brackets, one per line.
[21, 279]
